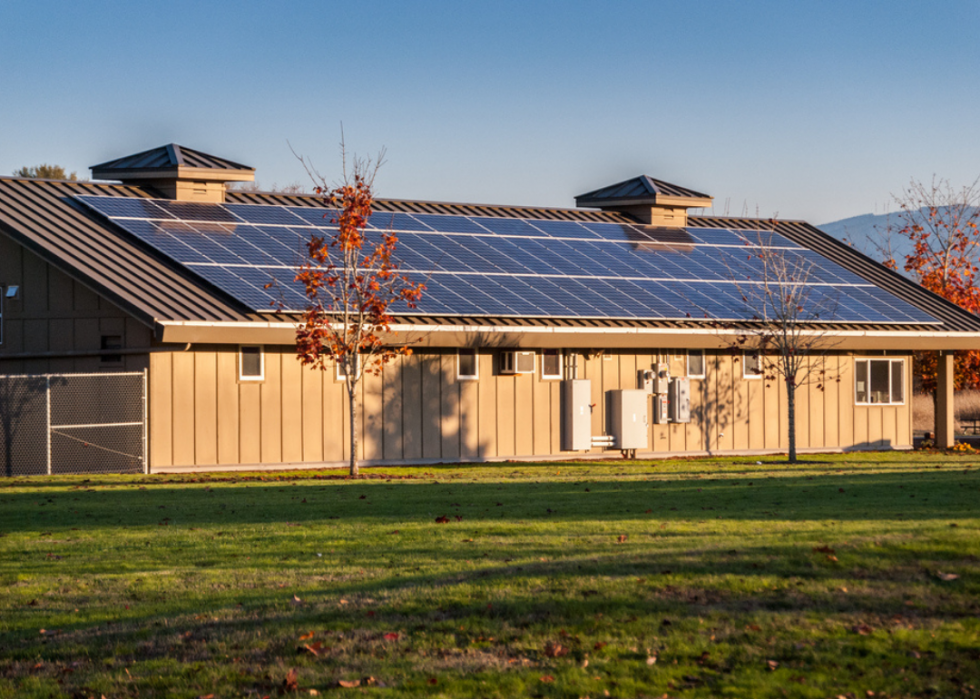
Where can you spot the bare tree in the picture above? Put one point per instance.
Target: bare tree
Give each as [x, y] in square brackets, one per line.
[785, 336]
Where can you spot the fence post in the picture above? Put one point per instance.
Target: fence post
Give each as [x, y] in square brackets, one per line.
[146, 451]
[48, 396]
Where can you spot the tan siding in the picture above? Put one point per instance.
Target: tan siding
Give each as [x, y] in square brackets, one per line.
[334, 409]
[847, 418]
[205, 408]
[202, 414]
[469, 418]
[161, 410]
[412, 407]
[270, 403]
[506, 437]
[431, 406]
[229, 427]
[450, 407]
[487, 388]
[183, 408]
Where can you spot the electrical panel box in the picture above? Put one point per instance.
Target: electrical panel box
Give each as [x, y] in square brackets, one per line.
[576, 415]
[644, 380]
[661, 378]
[513, 362]
[628, 418]
[680, 399]
[661, 414]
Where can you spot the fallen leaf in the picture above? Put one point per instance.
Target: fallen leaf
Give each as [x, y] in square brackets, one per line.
[947, 577]
[459, 518]
[205, 696]
[772, 664]
[621, 539]
[753, 627]
[823, 549]
[442, 520]
[599, 646]
[433, 680]
[396, 532]
[832, 558]
[652, 660]
[314, 693]
[306, 636]
[348, 684]
[296, 601]
[391, 636]
[547, 678]
[554, 650]
[862, 629]
[290, 684]
[840, 490]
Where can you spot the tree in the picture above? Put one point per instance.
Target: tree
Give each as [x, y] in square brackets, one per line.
[941, 223]
[781, 291]
[46, 172]
[351, 280]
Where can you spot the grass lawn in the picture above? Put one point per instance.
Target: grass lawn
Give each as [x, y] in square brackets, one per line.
[701, 578]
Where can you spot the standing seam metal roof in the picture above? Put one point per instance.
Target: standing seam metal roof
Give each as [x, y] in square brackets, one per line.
[43, 216]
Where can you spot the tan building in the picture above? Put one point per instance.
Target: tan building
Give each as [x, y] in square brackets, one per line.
[163, 274]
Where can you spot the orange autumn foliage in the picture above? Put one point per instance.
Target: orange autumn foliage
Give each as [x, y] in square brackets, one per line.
[942, 226]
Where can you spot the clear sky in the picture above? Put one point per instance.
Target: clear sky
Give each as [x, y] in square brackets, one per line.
[813, 110]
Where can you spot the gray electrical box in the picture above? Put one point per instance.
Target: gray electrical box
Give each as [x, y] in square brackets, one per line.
[628, 418]
[661, 378]
[680, 399]
[576, 415]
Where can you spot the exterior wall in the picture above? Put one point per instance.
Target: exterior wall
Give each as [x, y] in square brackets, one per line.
[201, 414]
[57, 314]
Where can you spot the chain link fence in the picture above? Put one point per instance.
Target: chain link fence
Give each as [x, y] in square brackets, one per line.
[73, 423]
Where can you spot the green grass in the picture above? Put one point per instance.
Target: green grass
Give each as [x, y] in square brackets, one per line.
[185, 586]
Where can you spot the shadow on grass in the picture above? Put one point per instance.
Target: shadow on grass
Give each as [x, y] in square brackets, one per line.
[908, 495]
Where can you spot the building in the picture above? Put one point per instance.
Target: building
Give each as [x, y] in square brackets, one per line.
[164, 273]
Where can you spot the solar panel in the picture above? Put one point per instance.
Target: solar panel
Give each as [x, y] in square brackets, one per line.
[486, 266]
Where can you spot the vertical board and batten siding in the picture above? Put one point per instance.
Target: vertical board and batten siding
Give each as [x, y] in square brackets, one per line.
[202, 414]
[55, 313]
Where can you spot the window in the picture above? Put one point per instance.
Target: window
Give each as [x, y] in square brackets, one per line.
[251, 363]
[551, 364]
[695, 364]
[111, 342]
[342, 375]
[467, 366]
[879, 381]
[751, 365]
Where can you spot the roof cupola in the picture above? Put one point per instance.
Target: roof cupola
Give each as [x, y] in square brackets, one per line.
[177, 173]
[651, 201]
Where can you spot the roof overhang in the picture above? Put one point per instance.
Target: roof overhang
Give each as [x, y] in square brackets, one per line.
[180, 172]
[555, 337]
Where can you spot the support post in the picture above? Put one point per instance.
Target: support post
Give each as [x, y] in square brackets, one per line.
[47, 397]
[945, 416]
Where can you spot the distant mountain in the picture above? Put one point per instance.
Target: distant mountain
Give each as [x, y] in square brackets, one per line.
[866, 231]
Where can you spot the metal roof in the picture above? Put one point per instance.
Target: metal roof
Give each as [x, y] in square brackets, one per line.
[642, 189]
[166, 159]
[44, 217]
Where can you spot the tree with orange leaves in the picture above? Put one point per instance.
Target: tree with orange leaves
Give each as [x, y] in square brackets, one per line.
[943, 226]
[351, 280]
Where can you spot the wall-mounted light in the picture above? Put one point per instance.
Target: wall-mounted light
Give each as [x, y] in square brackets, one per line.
[12, 293]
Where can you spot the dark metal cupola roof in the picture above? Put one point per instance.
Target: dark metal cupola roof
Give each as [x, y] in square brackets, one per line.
[177, 172]
[643, 190]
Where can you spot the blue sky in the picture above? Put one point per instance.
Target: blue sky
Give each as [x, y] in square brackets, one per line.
[816, 110]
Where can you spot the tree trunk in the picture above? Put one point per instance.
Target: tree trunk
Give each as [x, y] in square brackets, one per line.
[791, 414]
[352, 403]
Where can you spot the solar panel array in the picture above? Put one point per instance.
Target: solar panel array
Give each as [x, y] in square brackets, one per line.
[486, 266]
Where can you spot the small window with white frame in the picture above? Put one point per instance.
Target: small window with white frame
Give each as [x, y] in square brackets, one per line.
[342, 373]
[251, 363]
[467, 365]
[551, 364]
[751, 365]
[879, 381]
[695, 364]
